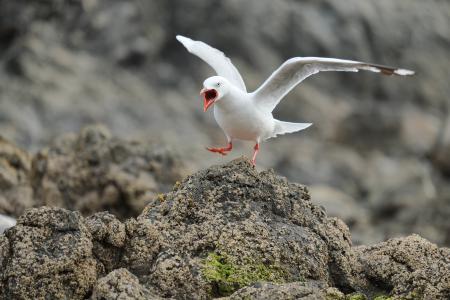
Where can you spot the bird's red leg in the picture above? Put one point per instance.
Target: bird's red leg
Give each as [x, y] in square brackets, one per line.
[256, 148]
[222, 151]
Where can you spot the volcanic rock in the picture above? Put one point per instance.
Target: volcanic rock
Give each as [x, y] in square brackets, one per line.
[411, 267]
[92, 172]
[16, 193]
[48, 254]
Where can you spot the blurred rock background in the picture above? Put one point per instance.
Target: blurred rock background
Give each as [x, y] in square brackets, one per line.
[378, 155]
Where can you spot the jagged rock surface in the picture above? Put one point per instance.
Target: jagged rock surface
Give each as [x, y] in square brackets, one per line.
[88, 172]
[225, 231]
[108, 238]
[255, 222]
[93, 172]
[48, 254]
[288, 291]
[16, 193]
[120, 284]
[411, 267]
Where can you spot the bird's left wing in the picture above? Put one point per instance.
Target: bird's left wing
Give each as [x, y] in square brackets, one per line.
[296, 69]
[216, 59]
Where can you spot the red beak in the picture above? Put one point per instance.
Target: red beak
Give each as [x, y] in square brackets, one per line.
[209, 97]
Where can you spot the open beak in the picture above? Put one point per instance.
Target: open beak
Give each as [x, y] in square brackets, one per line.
[209, 97]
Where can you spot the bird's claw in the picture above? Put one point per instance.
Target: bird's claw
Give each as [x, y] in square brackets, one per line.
[221, 151]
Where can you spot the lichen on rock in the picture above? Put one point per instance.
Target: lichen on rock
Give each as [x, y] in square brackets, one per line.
[49, 256]
[120, 284]
[228, 277]
[310, 290]
[410, 267]
[108, 239]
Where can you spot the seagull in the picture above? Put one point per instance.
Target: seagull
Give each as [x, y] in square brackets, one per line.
[248, 116]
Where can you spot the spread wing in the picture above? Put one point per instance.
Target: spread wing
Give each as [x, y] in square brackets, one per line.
[296, 69]
[216, 59]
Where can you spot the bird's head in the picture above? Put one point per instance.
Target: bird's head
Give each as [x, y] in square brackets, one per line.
[214, 88]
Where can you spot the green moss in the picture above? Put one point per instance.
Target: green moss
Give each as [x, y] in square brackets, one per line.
[356, 296]
[228, 277]
[334, 295]
[383, 297]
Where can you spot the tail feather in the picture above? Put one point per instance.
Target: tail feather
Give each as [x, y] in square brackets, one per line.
[288, 127]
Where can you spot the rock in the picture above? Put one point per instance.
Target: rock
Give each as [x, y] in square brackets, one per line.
[120, 284]
[288, 291]
[409, 267]
[230, 226]
[49, 256]
[108, 237]
[6, 222]
[93, 172]
[15, 191]
[228, 231]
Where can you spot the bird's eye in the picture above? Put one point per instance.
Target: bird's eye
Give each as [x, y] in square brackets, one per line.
[218, 84]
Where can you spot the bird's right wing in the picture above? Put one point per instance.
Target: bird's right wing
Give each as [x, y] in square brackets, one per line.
[296, 69]
[216, 59]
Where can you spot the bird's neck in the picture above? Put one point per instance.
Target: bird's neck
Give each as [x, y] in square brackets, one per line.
[233, 100]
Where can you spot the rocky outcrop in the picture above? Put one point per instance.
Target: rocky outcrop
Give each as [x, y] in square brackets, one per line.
[108, 239]
[289, 291]
[121, 284]
[88, 172]
[257, 225]
[16, 193]
[93, 172]
[410, 267]
[47, 254]
[227, 231]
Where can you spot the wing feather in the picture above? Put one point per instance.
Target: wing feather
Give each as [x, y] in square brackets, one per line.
[216, 59]
[296, 69]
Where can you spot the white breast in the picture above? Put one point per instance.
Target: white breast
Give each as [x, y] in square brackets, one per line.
[240, 119]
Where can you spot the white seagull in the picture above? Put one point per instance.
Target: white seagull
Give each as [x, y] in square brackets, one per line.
[248, 116]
